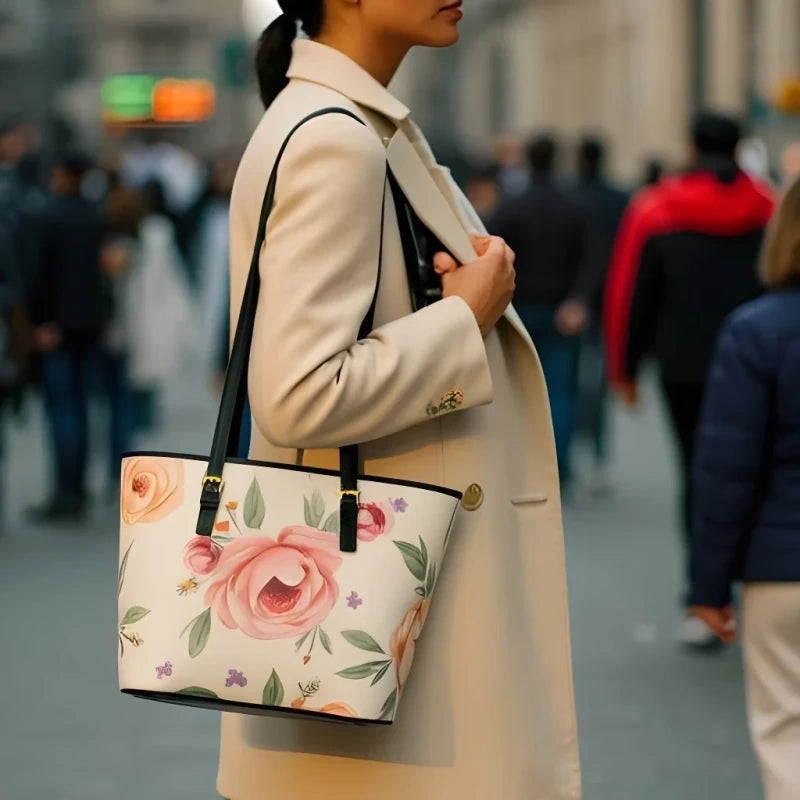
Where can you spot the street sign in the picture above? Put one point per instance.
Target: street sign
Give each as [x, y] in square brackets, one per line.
[147, 100]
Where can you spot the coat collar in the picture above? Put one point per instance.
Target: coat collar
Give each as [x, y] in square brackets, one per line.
[318, 63]
[427, 186]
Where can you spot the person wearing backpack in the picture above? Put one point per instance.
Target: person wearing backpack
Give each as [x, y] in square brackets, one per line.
[746, 505]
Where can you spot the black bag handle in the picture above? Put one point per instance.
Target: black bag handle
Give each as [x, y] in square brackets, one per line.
[234, 393]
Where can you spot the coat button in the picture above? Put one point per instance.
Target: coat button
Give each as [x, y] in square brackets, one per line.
[473, 498]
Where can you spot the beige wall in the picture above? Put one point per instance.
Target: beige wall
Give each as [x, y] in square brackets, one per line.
[622, 67]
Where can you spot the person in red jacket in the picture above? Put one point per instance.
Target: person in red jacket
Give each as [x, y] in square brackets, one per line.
[685, 257]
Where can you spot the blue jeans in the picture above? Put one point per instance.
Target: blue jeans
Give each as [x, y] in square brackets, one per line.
[65, 388]
[560, 356]
[121, 411]
[68, 377]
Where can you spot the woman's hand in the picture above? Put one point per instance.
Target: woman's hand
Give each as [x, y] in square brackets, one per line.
[486, 285]
[721, 620]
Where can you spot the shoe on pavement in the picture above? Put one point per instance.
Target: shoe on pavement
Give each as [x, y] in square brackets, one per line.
[63, 509]
[694, 633]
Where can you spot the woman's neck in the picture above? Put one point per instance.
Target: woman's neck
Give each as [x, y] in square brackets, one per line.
[381, 59]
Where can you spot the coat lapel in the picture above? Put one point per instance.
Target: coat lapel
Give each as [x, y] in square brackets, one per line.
[432, 194]
[426, 198]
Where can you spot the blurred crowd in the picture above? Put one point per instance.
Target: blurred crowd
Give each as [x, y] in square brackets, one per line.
[107, 267]
[111, 268]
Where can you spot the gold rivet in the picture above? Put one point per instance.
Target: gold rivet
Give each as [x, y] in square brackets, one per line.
[473, 498]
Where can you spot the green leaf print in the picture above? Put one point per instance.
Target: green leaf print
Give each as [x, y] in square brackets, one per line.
[134, 614]
[199, 691]
[363, 670]
[317, 509]
[383, 671]
[302, 640]
[387, 712]
[423, 552]
[198, 637]
[430, 583]
[326, 641]
[254, 508]
[122, 569]
[273, 691]
[363, 641]
[332, 524]
[413, 558]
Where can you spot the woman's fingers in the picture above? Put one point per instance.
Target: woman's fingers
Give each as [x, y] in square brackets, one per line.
[444, 264]
[481, 243]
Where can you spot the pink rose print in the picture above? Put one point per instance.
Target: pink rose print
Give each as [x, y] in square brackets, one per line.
[152, 488]
[201, 555]
[276, 589]
[403, 644]
[374, 519]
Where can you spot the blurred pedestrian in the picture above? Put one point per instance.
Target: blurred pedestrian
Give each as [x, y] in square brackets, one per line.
[547, 229]
[746, 505]
[68, 307]
[604, 203]
[653, 172]
[684, 259]
[483, 189]
[513, 173]
[14, 344]
[157, 308]
[213, 245]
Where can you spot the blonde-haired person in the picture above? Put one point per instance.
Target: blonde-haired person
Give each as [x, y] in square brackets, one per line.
[747, 503]
[488, 711]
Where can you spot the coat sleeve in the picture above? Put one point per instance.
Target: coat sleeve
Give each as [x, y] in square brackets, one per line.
[312, 383]
[729, 462]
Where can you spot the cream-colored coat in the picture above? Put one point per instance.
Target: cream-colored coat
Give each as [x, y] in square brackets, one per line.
[489, 710]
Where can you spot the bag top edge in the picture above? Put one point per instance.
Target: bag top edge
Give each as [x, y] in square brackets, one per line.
[430, 487]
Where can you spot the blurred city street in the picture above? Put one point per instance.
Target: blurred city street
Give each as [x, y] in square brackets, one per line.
[657, 723]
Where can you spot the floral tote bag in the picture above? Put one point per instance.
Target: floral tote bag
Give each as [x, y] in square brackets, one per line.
[272, 589]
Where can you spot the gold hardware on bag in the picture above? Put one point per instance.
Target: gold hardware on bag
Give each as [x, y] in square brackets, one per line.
[351, 492]
[210, 480]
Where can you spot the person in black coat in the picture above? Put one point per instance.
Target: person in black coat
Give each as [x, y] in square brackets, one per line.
[69, 307]
[547, 228]
[604, 204]
[746, 503]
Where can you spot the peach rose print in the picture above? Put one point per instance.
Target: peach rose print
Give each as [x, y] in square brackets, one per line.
[152, 488]
[201, 555]
[374, 519]
[337, 709]
[280, 589]
[403, 643]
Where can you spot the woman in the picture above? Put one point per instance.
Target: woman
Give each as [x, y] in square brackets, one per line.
[747, 509]
[489, 709]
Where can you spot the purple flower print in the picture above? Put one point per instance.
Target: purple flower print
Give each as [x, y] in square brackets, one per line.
[400, 505]
[235, 678]
[354, 601]
[165, 671]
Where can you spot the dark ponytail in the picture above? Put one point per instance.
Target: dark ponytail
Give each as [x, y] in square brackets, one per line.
[274, 52]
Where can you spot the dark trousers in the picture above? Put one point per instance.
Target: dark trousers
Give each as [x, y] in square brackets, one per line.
[67, 379]
[559, 356]
[684, 401]
[65, 376]
[121, 411]
[594, 394]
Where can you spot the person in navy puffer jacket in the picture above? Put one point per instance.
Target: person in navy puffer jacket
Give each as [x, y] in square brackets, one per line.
[746, 495]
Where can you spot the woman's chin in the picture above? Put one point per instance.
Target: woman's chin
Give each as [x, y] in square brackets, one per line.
[446, 37]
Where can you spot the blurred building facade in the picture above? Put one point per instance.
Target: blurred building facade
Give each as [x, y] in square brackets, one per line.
[632, 70]
[55, 55]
